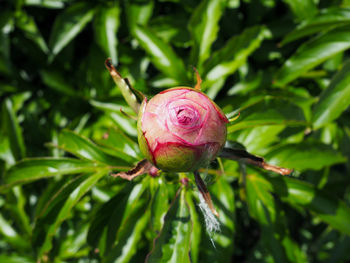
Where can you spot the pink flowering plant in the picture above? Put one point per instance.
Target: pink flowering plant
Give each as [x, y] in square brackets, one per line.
[137, 162]
[182, 130]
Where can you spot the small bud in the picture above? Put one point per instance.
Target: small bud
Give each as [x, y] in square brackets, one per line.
[181, 129]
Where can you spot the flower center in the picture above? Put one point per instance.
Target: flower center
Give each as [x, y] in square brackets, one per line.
[185, 116]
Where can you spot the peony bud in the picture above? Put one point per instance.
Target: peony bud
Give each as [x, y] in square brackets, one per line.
[181, 129]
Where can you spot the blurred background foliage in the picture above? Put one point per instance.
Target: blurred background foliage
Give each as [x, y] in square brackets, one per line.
[282, 64]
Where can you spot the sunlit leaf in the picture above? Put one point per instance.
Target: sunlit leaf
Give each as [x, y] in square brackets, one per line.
[334, 100]
[204, 26]
[46, 3]
[302, 8]
[33, 169]
[162, 55]
[173, 243]
[106, 23]
[313, 53]
[71, 197]
[68, 25]
[228, 59]
[13, 130]
[83, 148]
[304, 156]
[327, 19]
[28, 26]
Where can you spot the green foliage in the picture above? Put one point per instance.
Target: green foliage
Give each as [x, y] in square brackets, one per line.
[283, 65]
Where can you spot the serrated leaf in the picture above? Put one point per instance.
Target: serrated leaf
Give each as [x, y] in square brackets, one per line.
[84, 148]
[29, 170]
[68, 25]
[313, 53]
[204, 26]
[161, 54]
[173, 243]
[334, 99]
[304, 156]
[327, 19]
[106, 24]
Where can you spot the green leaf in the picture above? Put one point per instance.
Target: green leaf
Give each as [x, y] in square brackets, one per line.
[261, 203]
[6, 27]
[71, 199]
[115, 231]
[334, 99]
[17, 203]
[13, 130]
[105, 213]
[13, 258]
[84, 148]
[313, 53]
[204, 26]
[28, 26]
[33, 169]
[228, 59]
[196, 228]
[46, 3]
[129, 237]
[304, 156]
[267, 111]
[57, 80]
[106, 24]
[68, 25]
[161, 54]
[327, 207]
[170, 28]
[118, 144]
[10, 235]
[138, 13]
[263, 207]
[159, 205]
[327, 19]
[302, 9]
[174, 242]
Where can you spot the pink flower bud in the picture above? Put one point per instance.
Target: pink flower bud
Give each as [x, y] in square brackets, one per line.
[181, 129]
